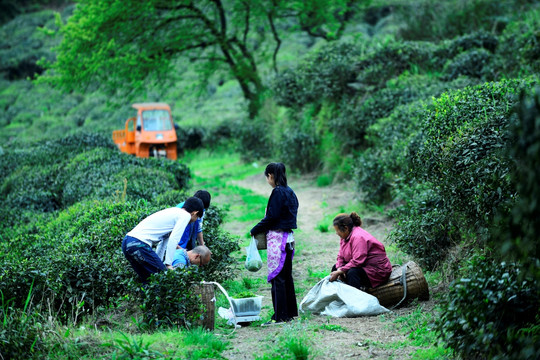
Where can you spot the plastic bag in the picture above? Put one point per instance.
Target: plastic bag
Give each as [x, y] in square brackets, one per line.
[253, 259]
[338, 299]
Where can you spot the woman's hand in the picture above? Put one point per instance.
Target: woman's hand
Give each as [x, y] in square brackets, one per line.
[334, 275]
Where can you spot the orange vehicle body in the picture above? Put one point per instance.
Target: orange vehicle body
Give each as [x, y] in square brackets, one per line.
[150, 134]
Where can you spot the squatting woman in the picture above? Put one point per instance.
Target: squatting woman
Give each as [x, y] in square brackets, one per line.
[361, 261]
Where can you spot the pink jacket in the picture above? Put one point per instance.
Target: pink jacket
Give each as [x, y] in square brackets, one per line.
[361, 249]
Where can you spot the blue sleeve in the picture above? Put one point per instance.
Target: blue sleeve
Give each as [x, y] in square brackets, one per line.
[185, 236]
[198, 226]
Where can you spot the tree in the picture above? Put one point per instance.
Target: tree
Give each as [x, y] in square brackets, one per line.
[118, 44]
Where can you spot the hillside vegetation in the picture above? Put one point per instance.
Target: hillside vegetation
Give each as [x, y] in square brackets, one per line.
[432, 108]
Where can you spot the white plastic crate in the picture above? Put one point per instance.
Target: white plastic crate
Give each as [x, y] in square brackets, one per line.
[247, 306]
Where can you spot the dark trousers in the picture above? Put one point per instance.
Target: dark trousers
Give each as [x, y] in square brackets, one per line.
[283, 296]
[142, 258]
[356, 277]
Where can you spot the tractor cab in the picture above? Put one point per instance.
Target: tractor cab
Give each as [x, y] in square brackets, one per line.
[150, 134]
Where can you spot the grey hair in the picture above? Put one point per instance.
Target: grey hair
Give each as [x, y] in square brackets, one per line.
[202, 250]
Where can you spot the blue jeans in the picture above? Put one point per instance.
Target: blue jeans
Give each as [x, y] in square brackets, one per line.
[142, 258]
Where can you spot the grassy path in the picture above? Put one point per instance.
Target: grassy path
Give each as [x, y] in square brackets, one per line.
[242, 189]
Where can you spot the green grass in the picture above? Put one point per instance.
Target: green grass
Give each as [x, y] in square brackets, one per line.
[216, 172]
[418, 326]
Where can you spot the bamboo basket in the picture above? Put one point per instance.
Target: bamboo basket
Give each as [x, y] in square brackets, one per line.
[261, 241]
[206, 292]
[392, 293]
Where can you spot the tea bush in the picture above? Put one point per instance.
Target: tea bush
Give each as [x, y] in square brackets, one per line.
[170, 299]
[75, 260]
[492, 314]
[425, 228]
[252, 139]
[519, 51]
[75, 263]
[382, 166]
[464, 152]
[435, 20]
[521, 240]
[472, 63]
[323, 75]
[392, 59]
[190, 138]
[52, 176]
[300, 150]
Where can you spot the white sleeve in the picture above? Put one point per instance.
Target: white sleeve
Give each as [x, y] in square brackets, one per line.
[160, 250]
[175, 236]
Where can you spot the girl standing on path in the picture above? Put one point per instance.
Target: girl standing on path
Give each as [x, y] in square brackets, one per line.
[278, 224]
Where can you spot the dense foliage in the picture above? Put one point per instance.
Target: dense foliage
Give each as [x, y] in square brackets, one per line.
[68, 204]
[419, 104]
[215, 33]
[493, 314]
[50, 176]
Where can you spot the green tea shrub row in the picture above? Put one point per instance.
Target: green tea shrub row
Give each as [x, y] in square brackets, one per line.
[375, 81]
[323, 75]
[495, 311]
[492, 314]
[381, 168]
[436, 20]
[519, 49]
[425, 228]
[54, 175]
[464, 153]
[300, 150]
[253, 139]
[521, 240]
[75, 261]
[461, 153]
[170, 299]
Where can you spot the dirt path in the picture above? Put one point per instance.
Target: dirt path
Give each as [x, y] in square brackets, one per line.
[327, 338]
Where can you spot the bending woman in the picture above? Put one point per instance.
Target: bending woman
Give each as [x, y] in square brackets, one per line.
[278, 224]
[361, 261]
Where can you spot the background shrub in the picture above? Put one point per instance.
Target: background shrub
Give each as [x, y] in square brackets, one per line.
[425, 228]
[75, 263]
[299, 150]
[492, 314]
[323, 75]
[436, 20]
[52, 176]
[169, 299]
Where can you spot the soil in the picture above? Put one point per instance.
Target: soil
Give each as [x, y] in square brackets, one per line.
[328, 338]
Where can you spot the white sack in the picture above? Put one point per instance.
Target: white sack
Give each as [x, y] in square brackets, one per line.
[338, 299]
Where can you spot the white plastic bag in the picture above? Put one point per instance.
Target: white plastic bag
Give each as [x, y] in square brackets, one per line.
[338, 299]
[253, 259]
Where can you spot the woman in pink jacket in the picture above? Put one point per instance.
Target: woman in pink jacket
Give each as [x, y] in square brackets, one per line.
[361, 261]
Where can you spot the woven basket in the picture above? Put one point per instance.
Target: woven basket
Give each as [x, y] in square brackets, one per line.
[392, 293]
[206, 292]
[261, 241]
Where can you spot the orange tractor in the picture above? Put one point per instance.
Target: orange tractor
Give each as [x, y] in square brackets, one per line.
[150, 134]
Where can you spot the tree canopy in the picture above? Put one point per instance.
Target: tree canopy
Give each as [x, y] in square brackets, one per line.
[118, 45]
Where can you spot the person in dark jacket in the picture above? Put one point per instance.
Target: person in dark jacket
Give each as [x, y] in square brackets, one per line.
[278, 224]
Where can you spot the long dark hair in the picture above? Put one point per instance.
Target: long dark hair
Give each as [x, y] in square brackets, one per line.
[346, 221]
[278, 170]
